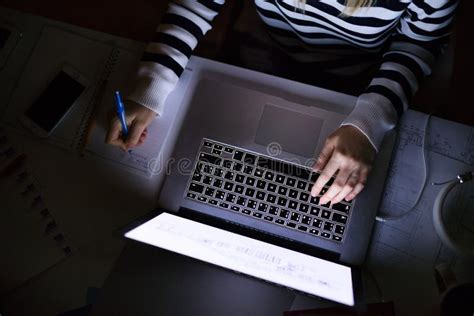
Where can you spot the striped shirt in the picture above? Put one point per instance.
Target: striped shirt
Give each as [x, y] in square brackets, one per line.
[408, 34]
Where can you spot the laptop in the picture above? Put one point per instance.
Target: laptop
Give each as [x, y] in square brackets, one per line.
[237, 190]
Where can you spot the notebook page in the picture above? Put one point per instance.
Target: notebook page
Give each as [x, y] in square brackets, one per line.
[54, 48]
[141, 160]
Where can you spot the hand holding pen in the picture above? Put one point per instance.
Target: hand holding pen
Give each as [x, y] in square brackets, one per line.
[127, 127]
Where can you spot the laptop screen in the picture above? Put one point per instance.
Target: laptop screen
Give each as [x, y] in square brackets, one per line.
[253, 257]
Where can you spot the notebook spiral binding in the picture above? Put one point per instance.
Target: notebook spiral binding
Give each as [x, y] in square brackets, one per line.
[94, 104]
[13, 166]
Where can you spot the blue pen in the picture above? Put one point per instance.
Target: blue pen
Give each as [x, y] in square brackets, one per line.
[121, 114]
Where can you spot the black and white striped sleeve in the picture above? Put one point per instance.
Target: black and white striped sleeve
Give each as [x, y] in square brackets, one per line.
[419, 38]
[166, 56]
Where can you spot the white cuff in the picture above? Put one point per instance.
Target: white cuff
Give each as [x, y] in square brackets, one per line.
[152, 87]
[373, 115]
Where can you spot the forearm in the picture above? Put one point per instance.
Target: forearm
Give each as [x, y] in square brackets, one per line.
[166, 56]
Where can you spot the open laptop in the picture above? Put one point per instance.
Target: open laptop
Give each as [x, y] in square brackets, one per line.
[242, 163]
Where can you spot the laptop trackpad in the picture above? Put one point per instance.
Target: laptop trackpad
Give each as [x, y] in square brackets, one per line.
[295, 132]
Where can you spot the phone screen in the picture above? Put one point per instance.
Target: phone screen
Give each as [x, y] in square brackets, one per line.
[55, 101]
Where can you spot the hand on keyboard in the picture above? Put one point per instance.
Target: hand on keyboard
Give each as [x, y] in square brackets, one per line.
[349, 153]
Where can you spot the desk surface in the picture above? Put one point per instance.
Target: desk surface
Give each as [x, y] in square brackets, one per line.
[401, 258]
[91, 221]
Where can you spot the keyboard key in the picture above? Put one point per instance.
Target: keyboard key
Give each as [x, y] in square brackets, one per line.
[202, 198]
[210, 159]
[339, 218]
[274, 210]
[235, 208]
[241, 200]
[229, 175]
[282, 190]
[239, 189]
[314, 200]
[228, 186]
[217, 183]
[250, 159]
[248, 170]
[197, 177]
[304, 208]
[339, 230]
[336, 238]
[261, 184]
[326, 214]
[302, 228]
[191, 195]
[293, 204]
[245, 211]
[213, 202]
[290, 224]
[262, 207]
[210, 191]
[290, 182]
[314, 211]
[227, 164]
[271, 198]
[257, 214]
[230, 197]
[326, 235]
[301, 185]
[269, 175]
[250, 181]
[249, 192]
[260, 195]
[238, 166]
[271, 187]
[252, 204]
[228, 150]
[327, 205]
[328, 226]
[304, 196]
[207, 144]
[284, 213]
[239, 178]
[268, 218]
[282, 201]
[258, 173]
[280, 178]
[220, 195]
[218, 147]
[280, 221]
[293, 194]
[314, 231]
[283, 167]
[216, 152]
[313, 177]
[341, 208]
[295, 217]
[238, 155]
[224, 205]
[196, 188]
[306, 220]
[317, 223]
[207, 169]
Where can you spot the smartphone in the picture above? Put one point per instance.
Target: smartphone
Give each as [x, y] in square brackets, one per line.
[54, 103]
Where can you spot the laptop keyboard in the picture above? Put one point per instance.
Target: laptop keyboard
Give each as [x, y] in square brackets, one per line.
[265, 188]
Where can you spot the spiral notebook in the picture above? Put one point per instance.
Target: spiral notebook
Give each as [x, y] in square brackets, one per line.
[108, 65]
[30, 237]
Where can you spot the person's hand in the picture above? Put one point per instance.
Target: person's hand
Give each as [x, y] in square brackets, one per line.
[348, 153]
[138, 118]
